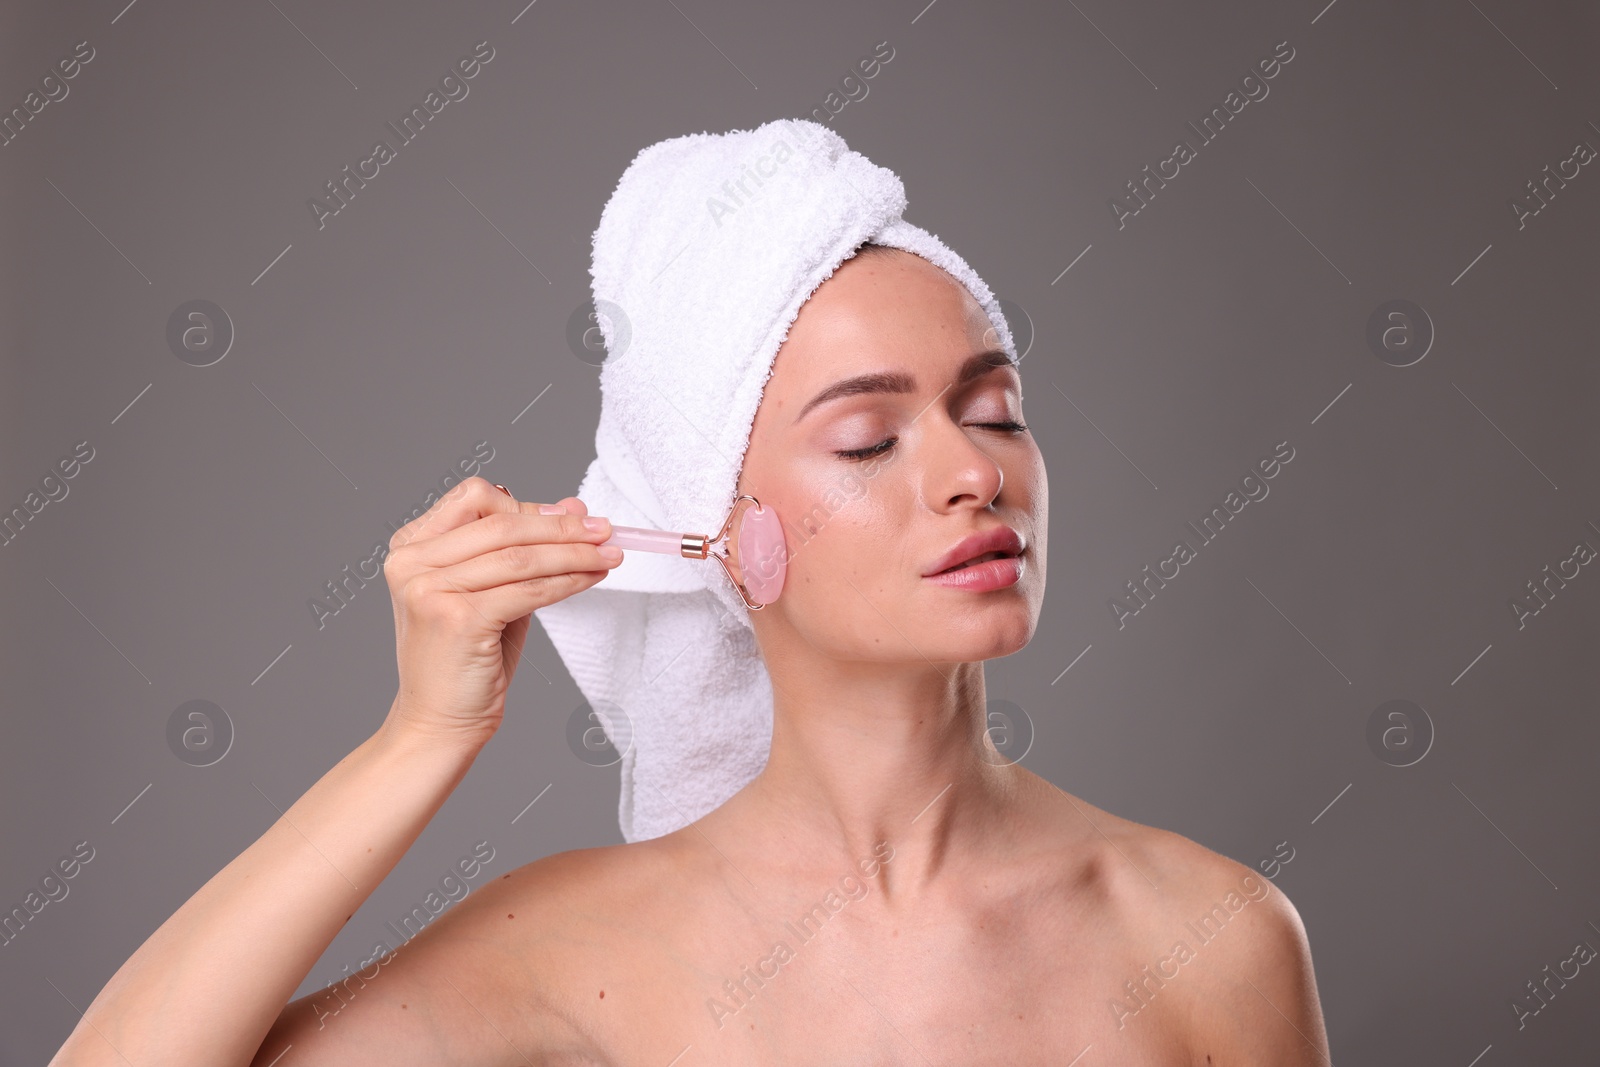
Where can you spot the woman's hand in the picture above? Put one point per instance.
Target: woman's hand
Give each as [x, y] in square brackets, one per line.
[464, 579]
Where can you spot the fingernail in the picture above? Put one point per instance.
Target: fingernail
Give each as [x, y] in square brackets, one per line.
[552, 509]
[610, 552]
[593, 522]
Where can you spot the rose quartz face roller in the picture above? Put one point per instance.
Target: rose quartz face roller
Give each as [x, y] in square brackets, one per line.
[762, 550]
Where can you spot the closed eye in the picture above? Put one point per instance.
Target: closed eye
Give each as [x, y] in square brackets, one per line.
[883, 446]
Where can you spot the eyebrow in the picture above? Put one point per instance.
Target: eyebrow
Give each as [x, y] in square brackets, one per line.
[899, 382]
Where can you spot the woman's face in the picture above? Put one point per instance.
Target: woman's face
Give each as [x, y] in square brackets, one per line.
[878, 481]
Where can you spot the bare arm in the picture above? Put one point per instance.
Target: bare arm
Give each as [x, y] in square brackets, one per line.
[209, 983]
[489, 982]
[207, 987]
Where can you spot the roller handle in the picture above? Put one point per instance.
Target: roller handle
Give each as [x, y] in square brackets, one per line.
[643, 540]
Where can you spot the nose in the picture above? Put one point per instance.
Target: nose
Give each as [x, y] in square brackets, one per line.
[958, 472]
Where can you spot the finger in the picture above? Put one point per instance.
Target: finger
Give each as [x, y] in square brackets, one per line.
[571, 503]
[505, 604]
[495, 533]
[523, 563]
[471, 500]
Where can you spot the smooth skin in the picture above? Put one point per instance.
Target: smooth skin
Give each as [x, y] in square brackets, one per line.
[889, 890]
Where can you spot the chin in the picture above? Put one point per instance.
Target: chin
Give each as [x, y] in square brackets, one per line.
[991, 633]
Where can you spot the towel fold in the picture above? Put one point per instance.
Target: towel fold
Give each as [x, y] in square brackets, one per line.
[705, 252]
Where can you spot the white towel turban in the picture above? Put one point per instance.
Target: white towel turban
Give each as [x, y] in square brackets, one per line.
[704, 254]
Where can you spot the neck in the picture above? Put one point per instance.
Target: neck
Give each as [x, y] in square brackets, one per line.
[879, 753]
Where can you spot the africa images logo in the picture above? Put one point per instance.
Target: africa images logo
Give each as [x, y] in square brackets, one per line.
[453, 87]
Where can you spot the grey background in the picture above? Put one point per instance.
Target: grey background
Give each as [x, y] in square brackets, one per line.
[1227, 316]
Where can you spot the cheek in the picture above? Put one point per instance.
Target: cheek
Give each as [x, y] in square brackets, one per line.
[841, 525]
[1033, 480]
[1032, 492]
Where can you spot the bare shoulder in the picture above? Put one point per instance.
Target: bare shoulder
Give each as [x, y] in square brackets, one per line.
[571, 917]
[1232, 944]
[500, 976]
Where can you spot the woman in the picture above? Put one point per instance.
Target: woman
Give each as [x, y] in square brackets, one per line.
[886, 890]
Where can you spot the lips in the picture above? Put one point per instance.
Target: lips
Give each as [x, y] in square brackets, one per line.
[986, 557]
[1000, 542]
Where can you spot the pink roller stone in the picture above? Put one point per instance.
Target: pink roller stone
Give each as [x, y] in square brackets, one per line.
[763, 554]
[762, 550]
